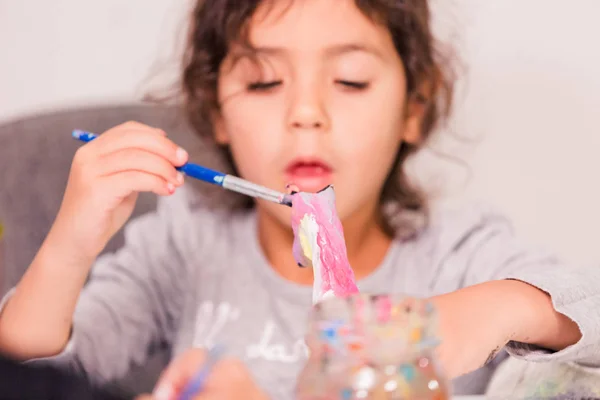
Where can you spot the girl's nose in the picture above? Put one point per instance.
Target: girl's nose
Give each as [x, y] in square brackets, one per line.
[307, 111]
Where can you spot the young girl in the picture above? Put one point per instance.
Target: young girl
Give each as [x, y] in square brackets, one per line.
[311, 92]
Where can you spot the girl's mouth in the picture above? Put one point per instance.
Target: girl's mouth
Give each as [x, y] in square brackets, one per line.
[310, 175]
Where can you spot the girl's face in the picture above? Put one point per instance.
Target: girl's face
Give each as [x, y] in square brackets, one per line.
[324, 103]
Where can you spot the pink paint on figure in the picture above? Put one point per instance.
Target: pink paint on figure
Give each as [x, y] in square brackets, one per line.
[319, 242]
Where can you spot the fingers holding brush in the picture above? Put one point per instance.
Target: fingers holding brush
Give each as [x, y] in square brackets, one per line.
[201, 375]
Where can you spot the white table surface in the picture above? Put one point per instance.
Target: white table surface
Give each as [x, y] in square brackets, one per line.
[468, 397]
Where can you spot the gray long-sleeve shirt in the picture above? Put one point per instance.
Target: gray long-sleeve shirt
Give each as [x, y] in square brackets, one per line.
[194, 278]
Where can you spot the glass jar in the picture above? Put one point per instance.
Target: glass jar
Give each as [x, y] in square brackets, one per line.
[372, 347]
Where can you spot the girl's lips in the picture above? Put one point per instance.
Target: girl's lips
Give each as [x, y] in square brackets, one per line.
[309, 175]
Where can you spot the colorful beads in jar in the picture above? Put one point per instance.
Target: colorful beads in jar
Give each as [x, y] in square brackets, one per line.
[372, 347]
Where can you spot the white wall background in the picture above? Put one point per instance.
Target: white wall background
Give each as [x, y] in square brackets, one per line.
[72, 52]
[533, 92]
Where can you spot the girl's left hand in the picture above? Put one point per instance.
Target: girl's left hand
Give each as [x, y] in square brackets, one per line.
[475, 323]
[229, 380]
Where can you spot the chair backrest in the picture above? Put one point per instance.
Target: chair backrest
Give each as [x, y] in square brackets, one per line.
[35, 158]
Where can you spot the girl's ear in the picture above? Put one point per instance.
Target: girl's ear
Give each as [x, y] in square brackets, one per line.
[416, 108]
[413, 122]
[219, 130]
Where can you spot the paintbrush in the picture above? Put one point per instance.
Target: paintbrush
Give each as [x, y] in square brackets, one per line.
[208, 175]
[198, 381]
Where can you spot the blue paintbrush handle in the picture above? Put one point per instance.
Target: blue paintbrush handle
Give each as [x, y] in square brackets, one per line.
[203, 173]
[198, 381]
[193, 170]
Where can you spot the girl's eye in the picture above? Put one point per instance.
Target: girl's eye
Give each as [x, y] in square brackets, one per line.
[353, 84]
[263, 86]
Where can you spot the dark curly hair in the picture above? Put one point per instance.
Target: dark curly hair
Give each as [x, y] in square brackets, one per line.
[216, 24]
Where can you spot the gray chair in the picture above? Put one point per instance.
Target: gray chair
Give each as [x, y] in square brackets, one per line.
[35, 158]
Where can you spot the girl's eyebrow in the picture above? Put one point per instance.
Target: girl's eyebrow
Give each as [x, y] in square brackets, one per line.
[339, 49]
[329, 51]
[332, 51]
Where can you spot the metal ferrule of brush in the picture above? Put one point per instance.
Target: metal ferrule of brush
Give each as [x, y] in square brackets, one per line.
[252, 189]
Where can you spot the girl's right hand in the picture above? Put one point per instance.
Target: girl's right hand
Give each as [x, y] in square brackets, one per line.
[106, 176]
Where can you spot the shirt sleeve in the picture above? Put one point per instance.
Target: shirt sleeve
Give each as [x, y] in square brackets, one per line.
[490, 251]
[131, 302]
